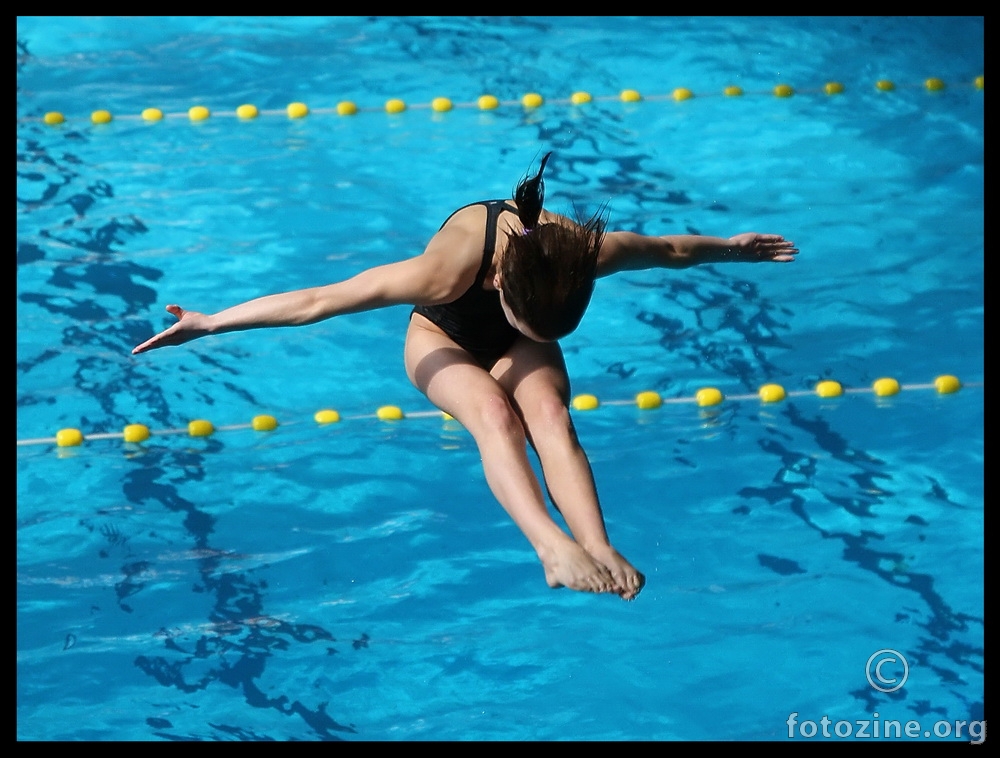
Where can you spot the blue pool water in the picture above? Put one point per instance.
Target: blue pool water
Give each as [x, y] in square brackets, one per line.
[356, 581]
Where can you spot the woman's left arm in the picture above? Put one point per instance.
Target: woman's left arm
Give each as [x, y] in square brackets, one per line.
[628, 251]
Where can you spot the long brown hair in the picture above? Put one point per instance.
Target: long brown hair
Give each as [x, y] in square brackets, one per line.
[548, 271]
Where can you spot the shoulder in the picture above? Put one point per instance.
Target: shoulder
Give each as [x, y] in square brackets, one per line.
[464, 228]
[474, 215]
[453, 256]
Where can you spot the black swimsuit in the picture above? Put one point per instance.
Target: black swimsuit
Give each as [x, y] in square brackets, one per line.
[476, 320]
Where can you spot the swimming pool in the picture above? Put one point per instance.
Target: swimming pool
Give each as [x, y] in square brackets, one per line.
[355, 580]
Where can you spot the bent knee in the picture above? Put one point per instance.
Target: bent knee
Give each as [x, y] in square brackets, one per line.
[550, 426]
[497, 416]
[551, 414]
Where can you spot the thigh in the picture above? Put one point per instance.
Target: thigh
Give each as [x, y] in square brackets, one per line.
[534, 376]
[446, 373]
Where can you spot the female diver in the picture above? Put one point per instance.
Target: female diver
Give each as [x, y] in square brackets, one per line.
[493, 291]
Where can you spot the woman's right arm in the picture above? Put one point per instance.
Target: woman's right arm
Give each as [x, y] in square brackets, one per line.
[438, 275]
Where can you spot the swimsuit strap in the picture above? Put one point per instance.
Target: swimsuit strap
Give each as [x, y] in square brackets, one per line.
[493, 210]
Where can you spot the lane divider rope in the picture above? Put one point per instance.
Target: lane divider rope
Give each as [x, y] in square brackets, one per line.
[705, 397]
[529, 101]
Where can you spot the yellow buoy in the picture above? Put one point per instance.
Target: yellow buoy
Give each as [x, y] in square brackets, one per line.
[885, 85]
[885, 386]
[579, 98]
[327, 416]
[732, 91]
[152, 114]
[441, 104]
[346, 108]
[389, 413]
[200, 428]
[708, 396]
[297, 110]
[772, 393]
[136, 433]
[395, 105]
[264, 423]
[947, 384]
[829, 388]
[783, 90]
[585, 402]
[53, 118]
[532, 100]
[979, 82]
[247, 111]
[682, 93]
[934, 84]
[648, 399]
[69, 437]
[487, 102]
[198, 113]
[630, 96]
[100, 117]
[833, 88]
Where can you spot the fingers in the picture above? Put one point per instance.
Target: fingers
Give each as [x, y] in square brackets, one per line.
[784, 254]
[143, 347]
[755, 247]
[152, 342]
[780, 250]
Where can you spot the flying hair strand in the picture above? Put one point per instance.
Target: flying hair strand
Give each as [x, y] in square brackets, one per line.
[529, 196]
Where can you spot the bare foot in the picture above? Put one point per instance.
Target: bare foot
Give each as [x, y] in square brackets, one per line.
[628, 580]
[569, 565]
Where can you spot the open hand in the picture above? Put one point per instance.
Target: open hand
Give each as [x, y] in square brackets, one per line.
[757, 248]
[190, 325]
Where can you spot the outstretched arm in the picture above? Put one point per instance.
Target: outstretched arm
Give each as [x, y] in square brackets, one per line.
[428, 278]
[628, 251]
[294, 308]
